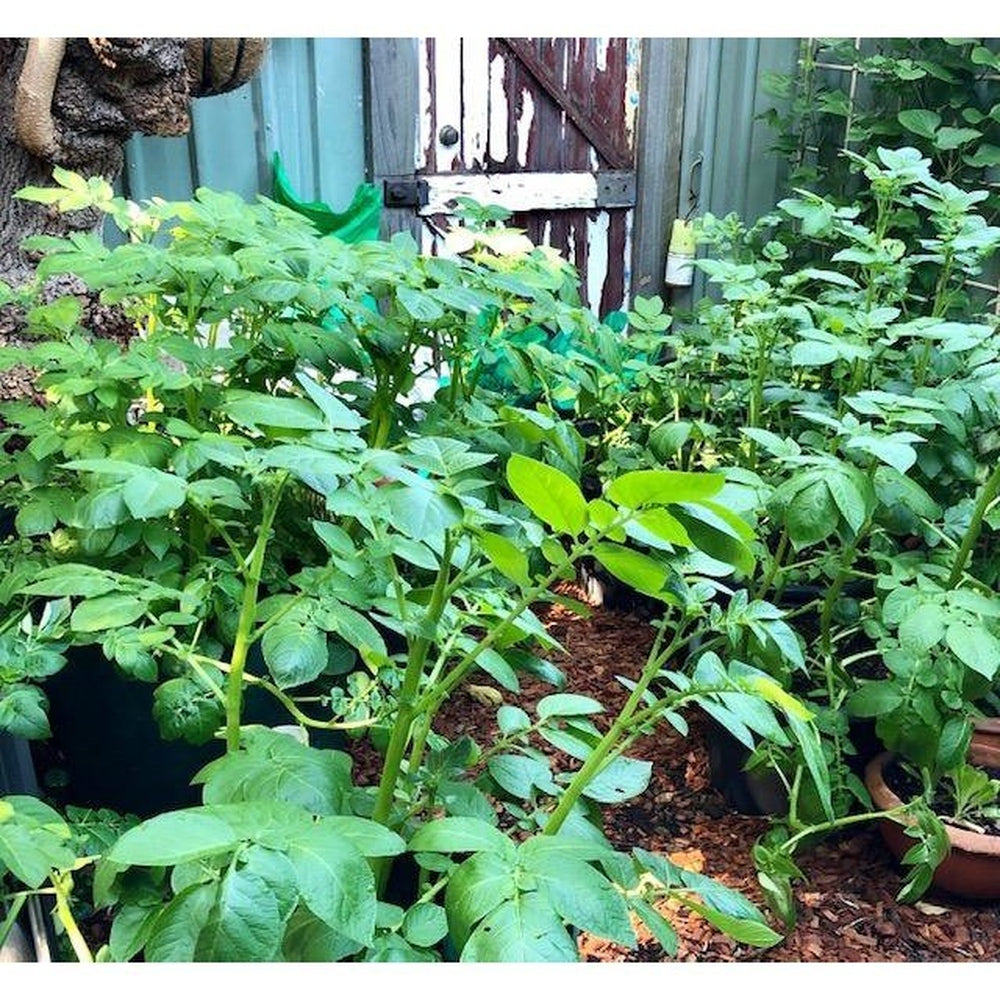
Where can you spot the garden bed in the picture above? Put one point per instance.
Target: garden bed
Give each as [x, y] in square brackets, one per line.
[847, 910]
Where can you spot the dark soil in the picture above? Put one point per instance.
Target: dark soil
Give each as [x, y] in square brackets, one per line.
[847, 910]
[907, 785]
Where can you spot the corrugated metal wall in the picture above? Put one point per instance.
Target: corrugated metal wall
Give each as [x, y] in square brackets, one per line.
[307, 103]
[726, 162]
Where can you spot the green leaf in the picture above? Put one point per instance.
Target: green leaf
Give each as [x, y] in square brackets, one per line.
[920, 121]
[131, 929]
[874, 699]
[419, 305]
[564, 705]
[510, 559]
[976, 647]
[460, 834]
[35, 518]
[523, 929]
[335, 882]
[658, 925]
[151, 493]
[175, 932]
[548, 493]
[294, 652]
[751, 932]
[420, 513]
[99, 614]
[512, 719]
[255, 409]
[23, 711]
[272, 765]
[812, 515]
[583, 897]
[661, 486]
[244, 924]
[623, 778]
[33, 839]
[174, 837]
[520, 775]
[425, 924]
[475, 887]
[370, 838]
[642, 572]
[924, 628]
[308, 939]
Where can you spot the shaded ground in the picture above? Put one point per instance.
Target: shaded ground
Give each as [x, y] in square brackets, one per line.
[846, 909]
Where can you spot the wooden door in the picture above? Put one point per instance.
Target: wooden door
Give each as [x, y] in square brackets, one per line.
[542, 126]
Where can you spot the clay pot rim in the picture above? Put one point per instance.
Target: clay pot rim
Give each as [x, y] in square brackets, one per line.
[989, 725]
[961, 839]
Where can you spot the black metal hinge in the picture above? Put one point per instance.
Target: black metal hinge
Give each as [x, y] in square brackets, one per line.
[404, 192]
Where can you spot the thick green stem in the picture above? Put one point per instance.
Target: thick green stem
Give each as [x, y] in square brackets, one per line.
[599, 756]
[406, 710]
[987, 495]
[62, 883]
[245, 626]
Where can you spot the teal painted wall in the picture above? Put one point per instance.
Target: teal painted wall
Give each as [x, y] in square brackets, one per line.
[307, 102]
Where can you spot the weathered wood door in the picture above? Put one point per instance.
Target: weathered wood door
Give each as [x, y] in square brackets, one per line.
[542, 126]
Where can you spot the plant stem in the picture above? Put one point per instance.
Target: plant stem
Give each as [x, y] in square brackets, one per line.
[62, 884]
[599, 756]
[989, 492]
[407, 702]
[248, 615]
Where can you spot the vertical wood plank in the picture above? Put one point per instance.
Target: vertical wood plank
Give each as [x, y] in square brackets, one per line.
[659, 137]
[447, 76]
[394, 119]
[222, 131]
[475, 102]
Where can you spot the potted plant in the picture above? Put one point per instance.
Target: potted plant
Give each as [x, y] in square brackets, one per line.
[251, 501]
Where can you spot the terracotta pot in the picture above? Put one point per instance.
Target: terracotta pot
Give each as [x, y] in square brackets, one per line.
[972, 869]
[986, 732]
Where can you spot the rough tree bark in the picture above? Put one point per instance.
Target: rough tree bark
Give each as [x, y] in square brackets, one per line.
[105, 89]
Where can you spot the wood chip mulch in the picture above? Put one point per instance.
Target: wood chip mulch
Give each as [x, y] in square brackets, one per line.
[847, 910]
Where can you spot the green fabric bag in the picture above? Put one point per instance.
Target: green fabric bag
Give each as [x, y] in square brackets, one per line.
[356, 224]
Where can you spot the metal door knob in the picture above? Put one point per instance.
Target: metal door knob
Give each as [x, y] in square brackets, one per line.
[448, 135]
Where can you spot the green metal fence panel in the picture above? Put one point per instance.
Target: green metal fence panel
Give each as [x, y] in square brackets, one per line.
[306, 102]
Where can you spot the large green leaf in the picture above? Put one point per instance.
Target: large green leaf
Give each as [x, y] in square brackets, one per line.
[370, 838]
[33, 839]
[256, 409]
[150, 493]
[975, 646]
[272, 765]
[23, 709]
[583, 897]
[175, 932]
[244, 924]
[295, 652]
[548, 493]
[173, 837]
[642, 572]
[623, 778]
[460, 834]
[524, 929]
[661, 486]
[475, 887]
[335, 882]
[98, 614]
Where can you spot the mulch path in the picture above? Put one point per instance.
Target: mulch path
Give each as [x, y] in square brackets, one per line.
[847, 910]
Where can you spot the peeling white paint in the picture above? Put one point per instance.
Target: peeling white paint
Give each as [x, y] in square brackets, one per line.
[601, 51]
[524, 123]
[627, 258]
[426, 106]
[597, 256]
[633, 67]
[448, 100]
[475, 101]
[520, 191]
[498, 110]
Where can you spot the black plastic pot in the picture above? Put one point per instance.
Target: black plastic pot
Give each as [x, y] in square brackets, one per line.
[759, 792]
[106, 750]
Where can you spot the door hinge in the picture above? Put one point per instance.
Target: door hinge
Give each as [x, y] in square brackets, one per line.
[404, 192]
